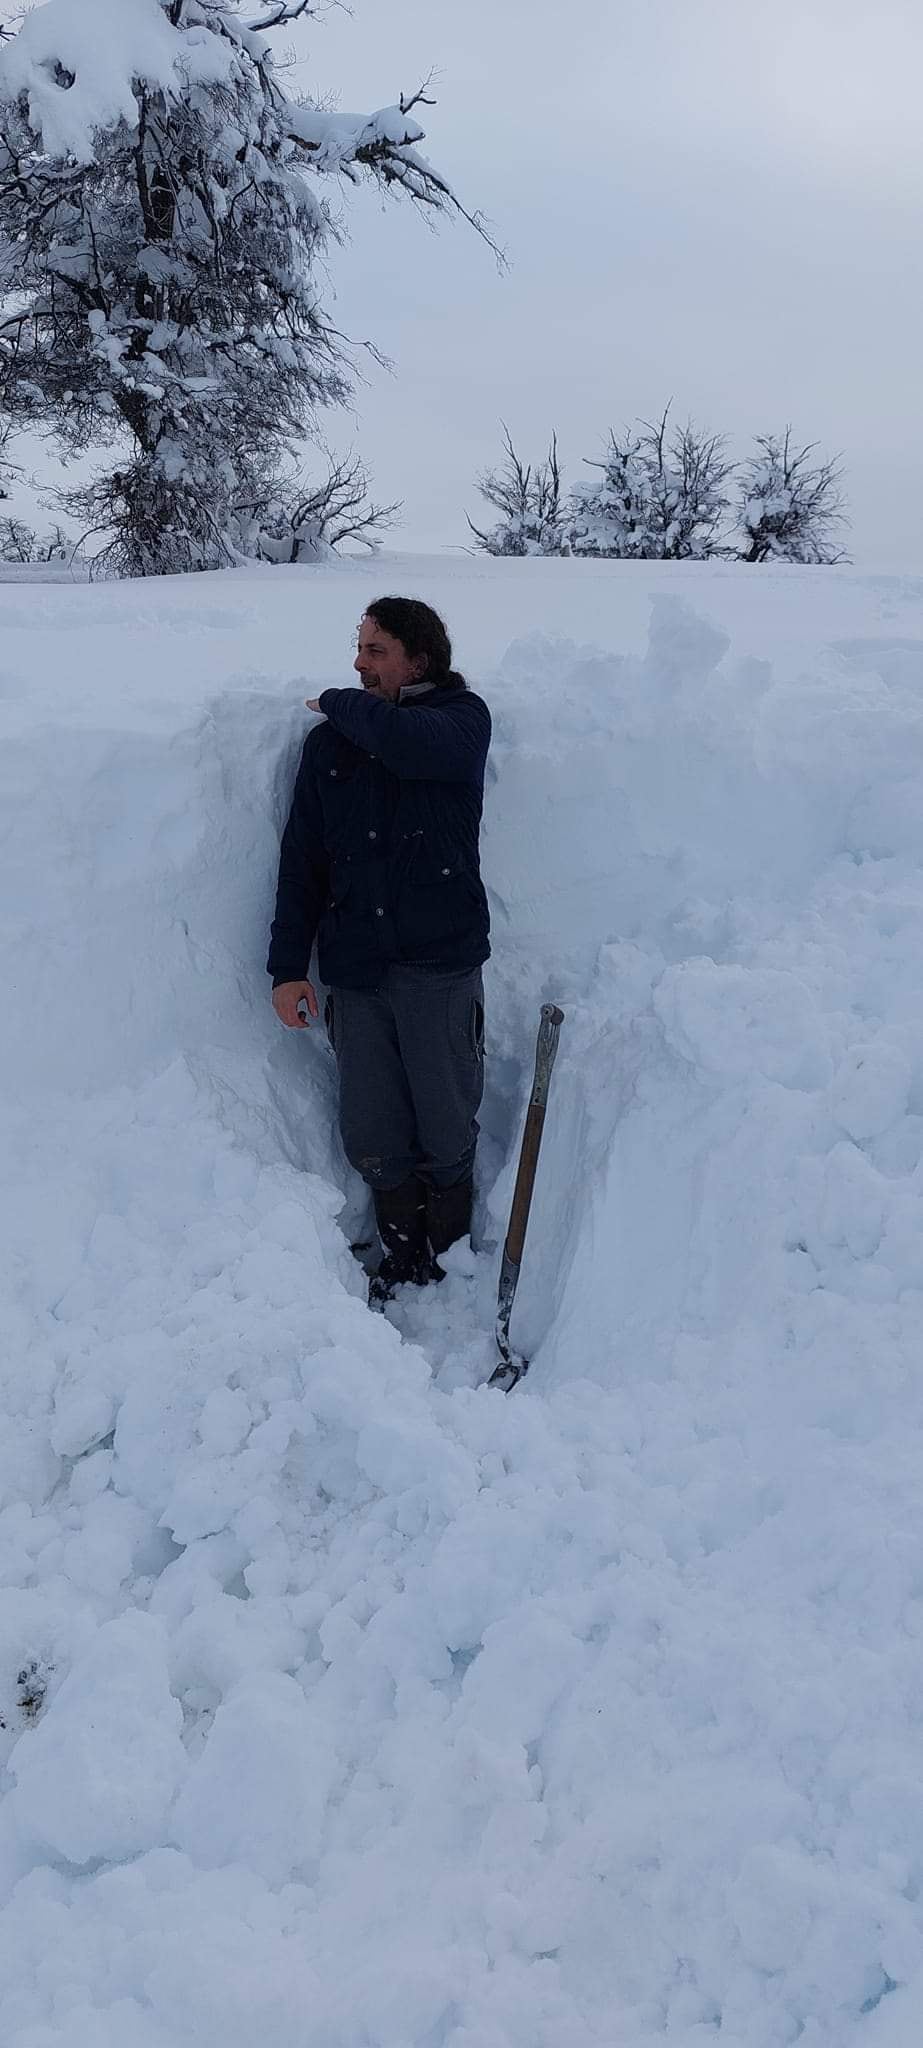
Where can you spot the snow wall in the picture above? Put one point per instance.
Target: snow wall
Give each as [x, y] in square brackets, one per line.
[343, 1701]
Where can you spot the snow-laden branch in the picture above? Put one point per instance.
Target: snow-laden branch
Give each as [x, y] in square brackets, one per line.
[82, 66]
[79, 65]
[336, 140]
[384, 144]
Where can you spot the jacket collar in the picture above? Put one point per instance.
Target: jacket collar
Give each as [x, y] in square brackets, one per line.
[411, 690]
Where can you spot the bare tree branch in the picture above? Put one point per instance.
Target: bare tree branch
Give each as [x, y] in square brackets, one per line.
[282, 518]
[420, 98]
[287, 10]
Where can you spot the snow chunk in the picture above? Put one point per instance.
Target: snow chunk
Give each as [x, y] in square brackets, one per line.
[684, 648]
[102, 49]
[225, 1421]
[258, 1792]
[871, 1089]
[98, 1775]
[735, 1022]
[84, 1415]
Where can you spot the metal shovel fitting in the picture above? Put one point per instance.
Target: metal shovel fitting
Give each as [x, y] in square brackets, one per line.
[511, 1367]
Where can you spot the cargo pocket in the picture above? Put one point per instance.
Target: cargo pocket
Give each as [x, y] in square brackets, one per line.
[329, 1022]
[464, 1018]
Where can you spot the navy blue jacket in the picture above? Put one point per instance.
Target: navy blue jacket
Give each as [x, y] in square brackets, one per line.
[379, 857]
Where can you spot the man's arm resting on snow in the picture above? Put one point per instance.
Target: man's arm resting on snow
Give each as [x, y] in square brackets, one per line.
[303, 883]
[413, 740]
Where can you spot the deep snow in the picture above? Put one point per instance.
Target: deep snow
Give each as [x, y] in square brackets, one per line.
[344, 1701]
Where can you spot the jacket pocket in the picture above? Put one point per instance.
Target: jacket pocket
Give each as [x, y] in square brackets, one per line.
[341, 878]
[341, 790]
[434, 898]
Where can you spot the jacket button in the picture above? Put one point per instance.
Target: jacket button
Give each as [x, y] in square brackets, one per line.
[373, 835]
[333, 771]
[379, 911]
[446, 871]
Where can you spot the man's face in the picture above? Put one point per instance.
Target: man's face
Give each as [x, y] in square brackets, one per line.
[382, 662]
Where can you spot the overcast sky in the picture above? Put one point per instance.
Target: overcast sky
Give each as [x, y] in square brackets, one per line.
[704, 199]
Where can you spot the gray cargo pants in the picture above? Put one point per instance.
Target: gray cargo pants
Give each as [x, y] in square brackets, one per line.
[410, 1057]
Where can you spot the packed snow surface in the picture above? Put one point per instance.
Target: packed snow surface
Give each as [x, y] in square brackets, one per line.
[344, 1701]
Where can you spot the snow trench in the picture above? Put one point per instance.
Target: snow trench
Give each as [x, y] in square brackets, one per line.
[341, 1699]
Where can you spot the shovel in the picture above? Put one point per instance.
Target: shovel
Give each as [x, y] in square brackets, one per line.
[511, 1367]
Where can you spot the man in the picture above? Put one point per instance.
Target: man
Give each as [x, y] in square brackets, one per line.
[380, 862]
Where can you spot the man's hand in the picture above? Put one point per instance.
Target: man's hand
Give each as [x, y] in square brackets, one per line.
[290, 1001]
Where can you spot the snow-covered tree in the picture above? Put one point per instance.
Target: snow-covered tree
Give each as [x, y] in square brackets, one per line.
[789, 507]
[294, 518]
[659, 498]
[161, 222]
[528, 501]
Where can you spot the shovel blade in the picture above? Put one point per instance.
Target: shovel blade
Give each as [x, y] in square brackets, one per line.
[510, 1370]
[507, 1375]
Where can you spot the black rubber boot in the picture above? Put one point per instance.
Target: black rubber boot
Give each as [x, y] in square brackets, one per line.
[448, 1217]
[400, 1214]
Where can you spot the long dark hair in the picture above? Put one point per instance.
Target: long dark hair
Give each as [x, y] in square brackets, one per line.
[420, 630]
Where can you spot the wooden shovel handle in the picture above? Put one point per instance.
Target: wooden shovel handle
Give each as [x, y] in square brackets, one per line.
[525, 1182]
[552, 1019]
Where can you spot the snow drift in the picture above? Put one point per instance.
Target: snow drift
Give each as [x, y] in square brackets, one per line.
[342, 1700]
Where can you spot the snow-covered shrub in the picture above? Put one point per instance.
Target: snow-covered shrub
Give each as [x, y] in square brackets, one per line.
[789, 508]
[613, 516]
[657, 499]
[160, 230]
[528, 501]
